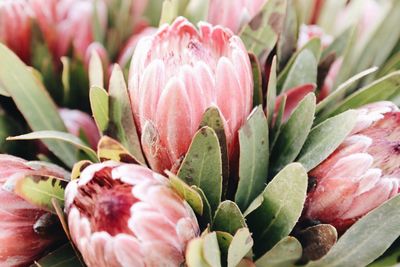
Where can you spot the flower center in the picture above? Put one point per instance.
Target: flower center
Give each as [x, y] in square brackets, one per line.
[106, 202]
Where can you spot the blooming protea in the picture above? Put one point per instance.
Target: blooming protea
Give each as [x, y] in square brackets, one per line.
[20, 243]
[175, 75]
[126, 215]
[78, 122]
[15, 27]
[233, 14]
[362, 173]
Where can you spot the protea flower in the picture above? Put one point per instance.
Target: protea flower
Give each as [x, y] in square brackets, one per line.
[362, 173]
[175, 75]
[233, 13]
[78, 122]
[20, 243]
[15, 27]
[68, 22]
[126, 215]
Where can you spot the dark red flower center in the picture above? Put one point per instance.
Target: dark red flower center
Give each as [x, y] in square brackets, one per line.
[106, 202]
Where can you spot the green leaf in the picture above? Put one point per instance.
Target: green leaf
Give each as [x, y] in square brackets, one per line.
[212, 118]
[367, 239]
[391, 259]
[65, 78]
[338, 46]
[206, 217]
[284, 254]
[293, 134]
[202, 165]
[34, 102]
[186, 192]
[197, 10]
[96, 76]
[303, 70]
[261, 34]
[386, 88]
[340, 92]
[99, 100]
[211, 252]
[109, 149]
[38, 190]
[325, 138]
[65, 256]
[59, 136]
[271, 92]
[240, 246]
[253, 160]
[257, 80]
[313, 46]
[282, 205]
[121, 124]
[171, 9]
[228, 218]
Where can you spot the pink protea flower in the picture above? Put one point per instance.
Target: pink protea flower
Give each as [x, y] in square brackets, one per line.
[307, 32]
[15, 27]
[68, 22]
[78, 122]
[362, 173]
[175, 75]
[233, 13]
[20, 244]
[126, 215]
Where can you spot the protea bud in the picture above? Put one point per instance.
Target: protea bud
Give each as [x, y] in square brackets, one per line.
[307, 32]
[126, 215]
[175, 75]
[20, 242]
[78, 122]
[15, 27]
[362, 173]
[233, 14]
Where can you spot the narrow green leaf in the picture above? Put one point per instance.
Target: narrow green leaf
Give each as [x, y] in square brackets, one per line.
[325, 138]
[202, 165]
[367, 239]
[59, 136]
[186, 192]
[283, 203]
[293, 134]
[261, 34]
[341, 91]
[284, 254]
[171, 9]
[64, 256]
[121, 123]
[38, 190]
[253, 160]
[228, 218]
[34, 102]
[386, 88]
[271, 92]
[96, 76]
[257, 80]
[65, 78]
[240, 246]
[197, 10]
[206, 216]
[99, 101]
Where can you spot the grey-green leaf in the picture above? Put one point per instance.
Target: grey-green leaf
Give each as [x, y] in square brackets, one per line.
[228, 218]
[283, 201]
[122, 125]
[293, 134]
[202, 165]
[253, 160]
[99, 100]
[284, 254]
[240, 246]
[325, 138]
[367, 239]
